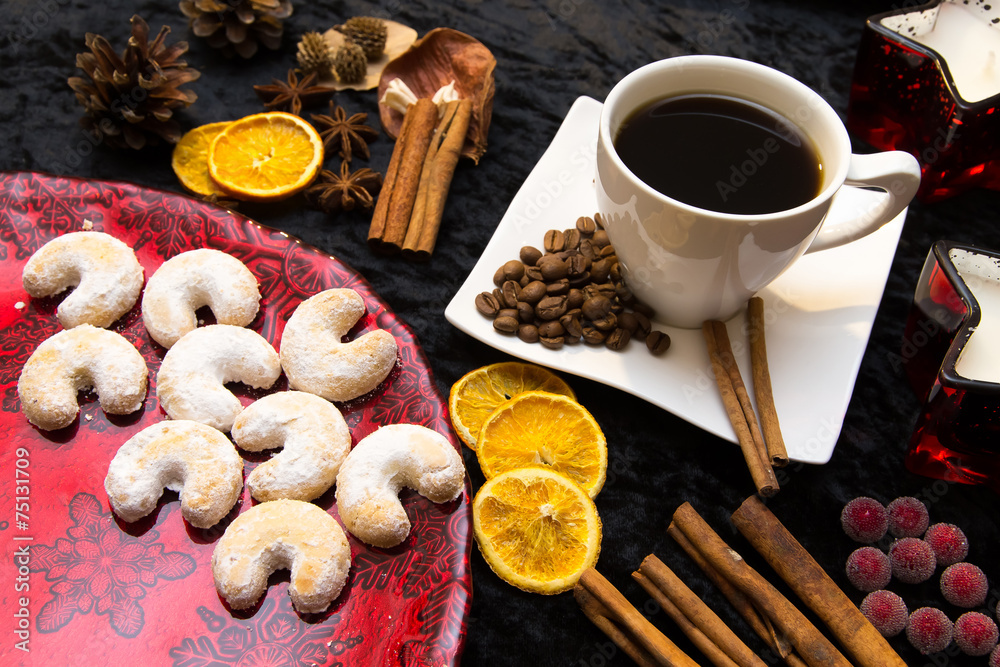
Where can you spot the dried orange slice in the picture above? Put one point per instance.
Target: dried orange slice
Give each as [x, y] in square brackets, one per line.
[539, 428]
[478, 393]
[266, 156]
[537, 529]
[190, 159]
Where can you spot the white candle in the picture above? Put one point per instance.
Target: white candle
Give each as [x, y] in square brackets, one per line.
[970, 45]
[980, 358]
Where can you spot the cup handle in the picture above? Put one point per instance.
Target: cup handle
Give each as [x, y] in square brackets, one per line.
[897, 173]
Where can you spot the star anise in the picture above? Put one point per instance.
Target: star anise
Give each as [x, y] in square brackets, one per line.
[342, 192]
[346, 135]
[293, 94]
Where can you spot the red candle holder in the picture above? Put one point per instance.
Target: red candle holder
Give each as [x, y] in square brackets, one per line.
[904, 97]
[957, 434]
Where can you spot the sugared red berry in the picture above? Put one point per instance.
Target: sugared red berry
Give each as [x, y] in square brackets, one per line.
[864, 519]
[913, 560]
[929, 630]
[995, 657]
[964, 585]
[975, 633]
[868, 569]
[908, 517]
[886, 611]
[948, 542]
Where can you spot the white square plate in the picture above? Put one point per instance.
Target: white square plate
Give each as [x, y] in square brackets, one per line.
[819, 313]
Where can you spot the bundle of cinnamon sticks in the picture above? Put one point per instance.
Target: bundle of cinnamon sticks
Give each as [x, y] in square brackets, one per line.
[408, 213]
[786, 631]
[760, 441]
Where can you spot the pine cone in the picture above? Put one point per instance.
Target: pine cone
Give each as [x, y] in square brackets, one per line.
[367, 32]
[238, 26]
[349, 63]
[314, 54]
[130, 99]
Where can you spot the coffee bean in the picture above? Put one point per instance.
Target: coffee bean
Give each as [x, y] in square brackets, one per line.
[506, 324]
[596, 307]
[554, 241]
[530, 255]
[557, 287]
[551, 307]
[617, 339]
[578, 265]
[643, 325]
[607, 251]
[628, 322]
[581, 279]
[616, 272]
[600, 238]
[657, 342]
[586, 225]
[499, 277]
[588, 249]
[593, 336]
[525, 279]
[575, 298]
[551, 329]
[533, 273]
[571, 238]
[572, 324]
[510, 290]
[599, 220]
[507, 312]
[643, 308]
[525, 312]
[553, 268]
[533, 291]
[606, 323]
[487, 304]
[624, 294]
[528, 333]
[552, 343]
[513, 270]
[600, 270]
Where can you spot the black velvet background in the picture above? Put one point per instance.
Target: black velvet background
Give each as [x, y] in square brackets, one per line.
[549, 52]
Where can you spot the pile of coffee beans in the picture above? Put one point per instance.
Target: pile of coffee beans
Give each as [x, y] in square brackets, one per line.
[571, 291]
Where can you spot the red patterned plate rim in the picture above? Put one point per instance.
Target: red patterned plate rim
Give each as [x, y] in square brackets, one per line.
[78, 584]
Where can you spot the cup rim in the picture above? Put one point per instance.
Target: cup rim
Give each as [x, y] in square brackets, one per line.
[652, 68]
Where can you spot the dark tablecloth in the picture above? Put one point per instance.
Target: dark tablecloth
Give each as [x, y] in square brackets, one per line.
[550, 52]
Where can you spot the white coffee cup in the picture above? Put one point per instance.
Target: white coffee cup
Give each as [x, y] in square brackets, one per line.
[691, 264]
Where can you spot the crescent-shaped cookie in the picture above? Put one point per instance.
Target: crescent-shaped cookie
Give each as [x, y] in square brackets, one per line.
[105, 272]
[282, 534]
[315, 358]
[81, 358]
[196, 460]
[191, 381]
[312, 434]
[380, 465]
[193, 279]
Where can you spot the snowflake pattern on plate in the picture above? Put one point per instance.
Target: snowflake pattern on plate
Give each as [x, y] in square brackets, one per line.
[104, 587]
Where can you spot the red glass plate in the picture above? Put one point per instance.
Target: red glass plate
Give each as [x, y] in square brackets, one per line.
[78, 586]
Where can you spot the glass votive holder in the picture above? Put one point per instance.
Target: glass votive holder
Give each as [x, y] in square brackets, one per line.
[951, 350]
[927, 81]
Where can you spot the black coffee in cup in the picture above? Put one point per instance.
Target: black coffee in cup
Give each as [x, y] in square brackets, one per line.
[720, 153]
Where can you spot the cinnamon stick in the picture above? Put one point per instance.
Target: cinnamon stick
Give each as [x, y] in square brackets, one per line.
[769, 423]
[739, 411]
[639, 629]
[810, 644]
[435, 179]
[399, 189]
[702, 625]
[601, 617]
[811, 583]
